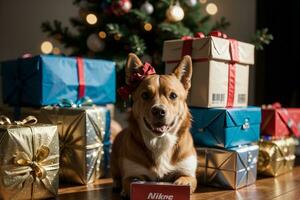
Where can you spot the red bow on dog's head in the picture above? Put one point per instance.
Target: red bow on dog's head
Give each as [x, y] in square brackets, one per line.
[135, 73]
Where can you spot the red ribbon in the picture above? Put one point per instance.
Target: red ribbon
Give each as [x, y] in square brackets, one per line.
[187, 50]
[234, 53]
[81, 80]
[135, 79]
[284, 115]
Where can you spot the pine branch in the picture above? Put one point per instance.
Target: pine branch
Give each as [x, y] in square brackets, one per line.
[139, 15]
[137, 45]
[221, 24]
[262, 38]
[59, 33]
[114, 29]
[174, 31]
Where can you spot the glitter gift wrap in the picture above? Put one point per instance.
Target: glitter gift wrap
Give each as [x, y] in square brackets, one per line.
[228, 168]
[29, 159]
[46, 79]
[225, 127]
[276, 156]
[83, 139]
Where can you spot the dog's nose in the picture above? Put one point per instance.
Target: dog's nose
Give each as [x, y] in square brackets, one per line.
[158, 112]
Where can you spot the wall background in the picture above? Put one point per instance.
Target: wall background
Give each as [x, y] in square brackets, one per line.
[20, 24]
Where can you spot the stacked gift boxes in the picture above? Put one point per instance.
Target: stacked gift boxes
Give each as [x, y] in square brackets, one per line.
[279, 128]
[224, 129]
[70, 95]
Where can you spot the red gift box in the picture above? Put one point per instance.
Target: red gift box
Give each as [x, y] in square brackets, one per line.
[157, 191]
[280, 122]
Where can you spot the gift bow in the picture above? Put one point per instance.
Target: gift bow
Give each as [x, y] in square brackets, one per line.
[67, 103]
[29, 120]
[36, 165]
[17, 175]
[135, 79]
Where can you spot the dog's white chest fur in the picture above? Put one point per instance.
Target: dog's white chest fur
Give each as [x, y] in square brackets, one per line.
[161, 148]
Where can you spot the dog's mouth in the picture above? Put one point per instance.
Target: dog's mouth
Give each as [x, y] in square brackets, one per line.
[158, 128]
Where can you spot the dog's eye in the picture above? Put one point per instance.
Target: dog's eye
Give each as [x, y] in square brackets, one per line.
[173, 95]
[145, 95]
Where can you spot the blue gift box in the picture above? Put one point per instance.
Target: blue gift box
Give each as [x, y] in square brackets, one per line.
[46, 79]
[225, 127]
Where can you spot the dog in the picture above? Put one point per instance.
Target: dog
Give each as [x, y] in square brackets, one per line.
[157, 145]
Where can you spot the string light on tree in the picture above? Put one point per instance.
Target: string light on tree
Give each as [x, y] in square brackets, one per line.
[117, 36]
[102, 35]
[211, 9]
[94, 43]
[190, 3]
[46, 47]
[147, 8]
[148, 27]
[203, 1]
[175, 13]
[91, 19]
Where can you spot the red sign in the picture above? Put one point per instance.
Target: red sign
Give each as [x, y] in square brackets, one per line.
[159, 191]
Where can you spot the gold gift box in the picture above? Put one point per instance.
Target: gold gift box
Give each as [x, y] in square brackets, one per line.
[227, 168]
[29, 159]
[276, 156]
[81, 133]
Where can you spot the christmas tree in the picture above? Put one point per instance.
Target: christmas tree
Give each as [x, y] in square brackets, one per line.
[111, 29]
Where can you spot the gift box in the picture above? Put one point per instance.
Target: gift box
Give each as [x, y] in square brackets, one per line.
[159, 190]
[84, 137]
[29, 159]
[280, 122]
[220, 69]
[46, 79]
[276, 156]
[227, 168]
[225, 127]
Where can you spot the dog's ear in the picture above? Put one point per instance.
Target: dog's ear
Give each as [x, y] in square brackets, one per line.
[183, 71]
[132, 65]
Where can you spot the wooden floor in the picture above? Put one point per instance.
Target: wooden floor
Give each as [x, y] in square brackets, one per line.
[285, 187]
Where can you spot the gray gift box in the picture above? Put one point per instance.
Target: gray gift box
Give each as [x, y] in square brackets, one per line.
[228, 168]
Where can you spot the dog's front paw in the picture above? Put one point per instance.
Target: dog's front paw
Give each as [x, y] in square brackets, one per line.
[187, 180]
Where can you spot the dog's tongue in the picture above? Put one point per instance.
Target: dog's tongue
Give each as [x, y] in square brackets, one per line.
[160, 129]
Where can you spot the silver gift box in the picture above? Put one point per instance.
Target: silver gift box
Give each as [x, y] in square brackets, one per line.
[228, 168]
[81, 134]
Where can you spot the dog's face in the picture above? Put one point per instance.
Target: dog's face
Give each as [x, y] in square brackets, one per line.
[159, 102]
